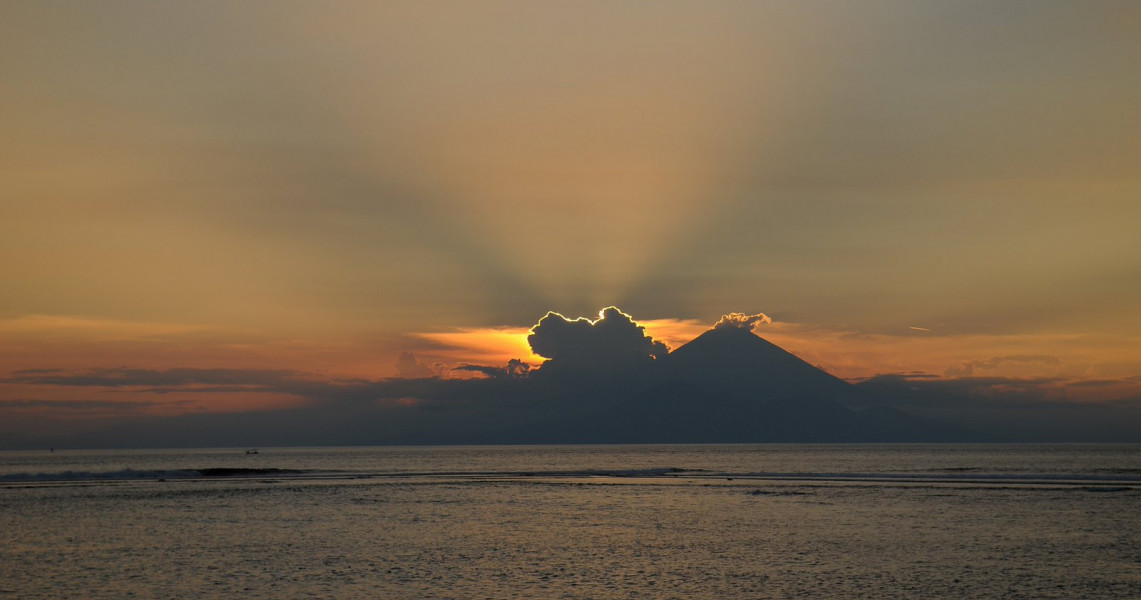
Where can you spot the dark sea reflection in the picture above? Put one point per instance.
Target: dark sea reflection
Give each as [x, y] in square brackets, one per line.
[968, 527]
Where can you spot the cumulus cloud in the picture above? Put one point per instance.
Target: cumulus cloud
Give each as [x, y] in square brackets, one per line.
[517, 368]
[611, 340]
[968, 368]
[742, 321]
[407, 366]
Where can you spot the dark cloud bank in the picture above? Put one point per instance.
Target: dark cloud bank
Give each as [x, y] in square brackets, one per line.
[605, 381]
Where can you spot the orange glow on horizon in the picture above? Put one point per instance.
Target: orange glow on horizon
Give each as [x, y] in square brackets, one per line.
[492, 346]
[1088, 368]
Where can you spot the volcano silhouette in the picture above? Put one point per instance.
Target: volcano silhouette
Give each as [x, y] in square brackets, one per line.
[732, 360]
[726, 386]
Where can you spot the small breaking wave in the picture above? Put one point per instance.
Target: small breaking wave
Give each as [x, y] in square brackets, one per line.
[1100, 480]
[661, 472]
[145, 474]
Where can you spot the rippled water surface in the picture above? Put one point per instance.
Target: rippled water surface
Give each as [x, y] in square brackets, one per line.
[575, 522]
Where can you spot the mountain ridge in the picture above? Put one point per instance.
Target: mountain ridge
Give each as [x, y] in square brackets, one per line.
[728, 385]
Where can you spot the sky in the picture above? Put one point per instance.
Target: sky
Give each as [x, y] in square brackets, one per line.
[935, 189]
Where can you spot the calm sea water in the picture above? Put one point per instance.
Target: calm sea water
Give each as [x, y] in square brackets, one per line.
[786, 521]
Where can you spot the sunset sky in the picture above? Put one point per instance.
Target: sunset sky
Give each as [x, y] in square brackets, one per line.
[947, 189]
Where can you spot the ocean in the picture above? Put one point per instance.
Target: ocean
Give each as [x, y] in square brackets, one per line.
[693, 522]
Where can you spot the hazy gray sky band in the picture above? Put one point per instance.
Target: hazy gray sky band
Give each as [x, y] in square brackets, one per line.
[967, 164]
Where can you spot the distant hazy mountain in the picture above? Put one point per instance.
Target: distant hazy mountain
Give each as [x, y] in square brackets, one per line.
[727, 386]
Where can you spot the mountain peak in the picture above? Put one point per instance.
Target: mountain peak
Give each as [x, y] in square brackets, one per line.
[737, 361]
[727, 338]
